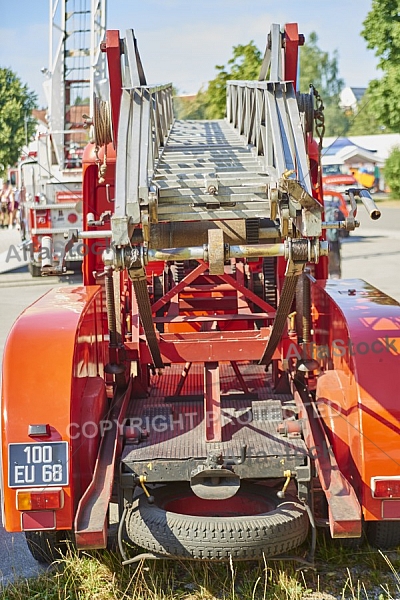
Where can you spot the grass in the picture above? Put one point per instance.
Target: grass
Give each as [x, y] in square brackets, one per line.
[363, 574]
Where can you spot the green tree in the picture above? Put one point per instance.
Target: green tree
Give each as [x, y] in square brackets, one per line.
[382, 33]
[364, 121]
[392, 172]
[16, 121]
[190, 107]
[318, 68]
[79, 101]
[244, 64]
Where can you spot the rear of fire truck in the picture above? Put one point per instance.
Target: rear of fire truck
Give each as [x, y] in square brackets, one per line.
[206, 378]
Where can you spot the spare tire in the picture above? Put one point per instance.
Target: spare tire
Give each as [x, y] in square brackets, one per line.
[252, 524]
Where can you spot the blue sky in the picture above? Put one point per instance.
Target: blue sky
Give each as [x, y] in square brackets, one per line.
[182, 40]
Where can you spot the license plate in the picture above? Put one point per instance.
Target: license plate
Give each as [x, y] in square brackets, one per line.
[42, 464]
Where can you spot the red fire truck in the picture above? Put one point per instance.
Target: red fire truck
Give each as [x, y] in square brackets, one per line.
[206, 377]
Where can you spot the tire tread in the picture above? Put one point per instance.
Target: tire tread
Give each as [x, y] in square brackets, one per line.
[47, 546]
[212, 538]
[384, 534]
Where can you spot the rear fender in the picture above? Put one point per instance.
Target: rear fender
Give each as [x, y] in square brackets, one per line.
[357, 336]
[53, 371]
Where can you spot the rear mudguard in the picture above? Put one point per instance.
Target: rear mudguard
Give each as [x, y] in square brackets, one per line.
[53, 371]
[358, 339]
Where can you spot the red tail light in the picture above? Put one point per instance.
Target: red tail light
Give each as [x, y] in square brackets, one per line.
[39, 499]
[382, 487]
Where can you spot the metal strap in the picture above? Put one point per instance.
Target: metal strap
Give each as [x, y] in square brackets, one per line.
[144, 306]
[282, 312]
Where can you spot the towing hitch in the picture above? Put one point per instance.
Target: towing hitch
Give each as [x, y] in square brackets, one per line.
[215, 479]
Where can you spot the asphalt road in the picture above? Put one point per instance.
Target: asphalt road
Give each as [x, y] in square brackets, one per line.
[371, 253]
[17, 291]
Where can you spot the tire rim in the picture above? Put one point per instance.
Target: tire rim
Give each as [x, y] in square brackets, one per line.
[240, 505]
